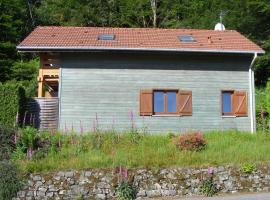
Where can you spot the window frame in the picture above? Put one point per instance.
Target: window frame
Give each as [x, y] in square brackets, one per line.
[221, 103]
[165, 91]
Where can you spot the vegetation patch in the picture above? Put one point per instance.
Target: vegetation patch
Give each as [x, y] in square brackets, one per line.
[78, 151]
[9, 180]
[13, 101]
[191, 141]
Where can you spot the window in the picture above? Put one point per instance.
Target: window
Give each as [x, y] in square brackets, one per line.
[186, 38]
[106, 37]
[166, 102]
[233, 103]
[227, 102]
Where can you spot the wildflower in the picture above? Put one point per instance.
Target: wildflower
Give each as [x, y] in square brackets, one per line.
[59, 142]
[24, 118]
[30, 119]
[131, 116]
[15, 138]
[81, 127]
[210, 170]
[72, 129]
[29, 152]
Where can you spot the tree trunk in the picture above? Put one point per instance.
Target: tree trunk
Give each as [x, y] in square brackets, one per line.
[154, 10]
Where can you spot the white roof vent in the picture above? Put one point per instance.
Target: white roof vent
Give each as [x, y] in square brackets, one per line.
[219, 27]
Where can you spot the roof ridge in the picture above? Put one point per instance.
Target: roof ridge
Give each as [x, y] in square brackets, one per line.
[129, 28]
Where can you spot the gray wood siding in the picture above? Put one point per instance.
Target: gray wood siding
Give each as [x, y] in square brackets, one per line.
[108, 84]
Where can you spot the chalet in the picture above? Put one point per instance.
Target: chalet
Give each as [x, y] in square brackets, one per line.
[165, 80]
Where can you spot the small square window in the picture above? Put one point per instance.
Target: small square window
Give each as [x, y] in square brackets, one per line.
[186, 38]
[165, 102]
[106, 37]
[227, 102]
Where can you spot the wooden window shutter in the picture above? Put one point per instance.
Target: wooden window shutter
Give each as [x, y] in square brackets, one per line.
[184, 103]
[240, 103]
[146, 102]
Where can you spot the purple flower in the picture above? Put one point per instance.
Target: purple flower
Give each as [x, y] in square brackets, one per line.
[131, 116]
[72, 129]
[81, 126]
[15, 138]
[66, 130]
[210, 170]
[31, 118]
[125, 173]
[16, 120]
[94, 126]
[30, 152]
[24, 118]
[34, 120]
[59, 142]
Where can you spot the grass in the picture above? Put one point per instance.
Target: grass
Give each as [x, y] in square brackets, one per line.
[152, 151]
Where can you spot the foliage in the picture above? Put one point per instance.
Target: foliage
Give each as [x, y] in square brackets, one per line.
[6, 142]
[191, 141]
[9, 180]
[19, 17]
[25, 70]
[126, 191]
[248, 168]
[36, 145]
[13, 100]
[263, 107]
[29, 138]
[228, 147]
[208, 187]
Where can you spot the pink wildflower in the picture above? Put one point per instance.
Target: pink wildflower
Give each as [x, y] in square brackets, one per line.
[210, 170]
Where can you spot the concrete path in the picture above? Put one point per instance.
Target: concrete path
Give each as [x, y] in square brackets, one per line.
[251, 196]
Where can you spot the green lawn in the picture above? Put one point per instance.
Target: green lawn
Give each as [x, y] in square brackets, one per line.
[229, 147]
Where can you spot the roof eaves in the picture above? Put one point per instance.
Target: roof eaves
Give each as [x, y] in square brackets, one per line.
[94, 48]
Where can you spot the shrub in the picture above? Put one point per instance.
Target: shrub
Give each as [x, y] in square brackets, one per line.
[248, 168]
[207, 187]
[9, 180]
[13, 100]
[126, 191]
[29, 138]
[6, 142]
[191, 141]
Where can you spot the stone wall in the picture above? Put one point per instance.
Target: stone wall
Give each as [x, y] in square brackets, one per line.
[101, 184]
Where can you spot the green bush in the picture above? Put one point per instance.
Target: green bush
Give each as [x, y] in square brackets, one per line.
[13, 100]
[9, 180]
[6, 142]
[248, 168]
[126, 191]
[29, 138]
[208, 187]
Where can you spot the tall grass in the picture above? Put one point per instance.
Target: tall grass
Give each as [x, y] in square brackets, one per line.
[151, 151]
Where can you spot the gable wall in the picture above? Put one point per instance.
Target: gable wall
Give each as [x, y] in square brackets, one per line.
[109, 84]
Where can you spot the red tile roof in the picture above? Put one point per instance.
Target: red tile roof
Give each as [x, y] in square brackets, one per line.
[85, 38]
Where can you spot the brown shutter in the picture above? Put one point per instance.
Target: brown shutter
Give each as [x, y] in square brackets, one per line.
[146, 102]
[240, 103]
[184, 103]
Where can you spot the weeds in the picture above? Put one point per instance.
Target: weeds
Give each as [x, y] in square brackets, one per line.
[208, 187]
[118, 149]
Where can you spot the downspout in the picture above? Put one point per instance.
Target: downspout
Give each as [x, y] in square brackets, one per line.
[59, 97]
[252, 96]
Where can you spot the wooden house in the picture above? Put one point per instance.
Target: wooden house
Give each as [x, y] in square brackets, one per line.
[162, 80]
